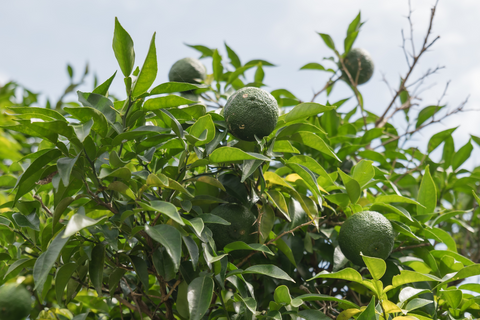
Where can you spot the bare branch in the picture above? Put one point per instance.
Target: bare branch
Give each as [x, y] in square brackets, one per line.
[39, 199]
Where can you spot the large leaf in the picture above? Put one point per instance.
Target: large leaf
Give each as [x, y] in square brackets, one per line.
[123, 49]
[314, 141]
[462, 155]
[305, 110]
[230, 154]
[45, 262]
[438, 138]
[96, 267]
[348, 274]
[170, 101]
[269, 270]
[148, 73]
[427, 195]
[170, 238]
[65, 166]
[164, 207]
[200, 292]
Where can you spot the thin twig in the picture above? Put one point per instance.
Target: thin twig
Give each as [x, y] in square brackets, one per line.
[412, 246]
[39, 199]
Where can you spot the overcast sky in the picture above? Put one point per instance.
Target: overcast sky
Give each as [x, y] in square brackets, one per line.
[38, 39]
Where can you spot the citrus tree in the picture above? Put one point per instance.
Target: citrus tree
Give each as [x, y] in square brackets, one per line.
[163, 205]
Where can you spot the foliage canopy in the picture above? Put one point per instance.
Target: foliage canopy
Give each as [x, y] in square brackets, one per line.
[106, 203]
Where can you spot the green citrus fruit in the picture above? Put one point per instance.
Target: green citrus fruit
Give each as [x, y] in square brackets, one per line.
[358, 60]
[241, 225]
[368, 232]
[187, 70]
[15, 302]
[251, 111]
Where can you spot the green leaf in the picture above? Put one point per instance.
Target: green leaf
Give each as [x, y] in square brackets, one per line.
[96, 267]
[407, 276]
[349, 40]
[328, 40]
[65, 166]
[305, 110]
[240, 245]
[266, 223]
[39, 111]
[217, 66]
[62, 277]
[324, 297]
[192, 249]
[196, 224]
[121, 188]
[36, 166]
[468, 271]
[313, 66]
[200, 293]
[31, 221]
[203, 123]
[259, 74]
[141, 269]
[123, 49]
[376, 266]
[78, 222]
[249, 167]
[313, 141]
[170, 238]
[269, 270]
[45, 262]
[453, 297]
[164, 207]
[170, 87]
[363, 172]
[170, 101]
[396, 198]
[426, 113]
[82, 130]
[148, 73]
[348, 274]
[369, 312]
[234, 59]
[313, 165]
[230, 154]
[462, 155]
[282, 295]
[206, 52]
[85, 114]
[103, 88]
[438, 138]
[19, 265]
[427, 195]
[279, 200]
[313, 315]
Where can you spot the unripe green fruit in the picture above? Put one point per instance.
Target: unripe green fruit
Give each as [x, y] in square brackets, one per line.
[358, 60]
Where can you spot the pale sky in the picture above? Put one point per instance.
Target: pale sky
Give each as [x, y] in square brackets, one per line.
[38, 39]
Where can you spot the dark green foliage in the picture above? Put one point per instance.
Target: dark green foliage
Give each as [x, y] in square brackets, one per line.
[150, 205]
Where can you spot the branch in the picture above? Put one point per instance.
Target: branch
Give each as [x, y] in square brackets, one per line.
[426, 45]
[39, 199]
[412, 246]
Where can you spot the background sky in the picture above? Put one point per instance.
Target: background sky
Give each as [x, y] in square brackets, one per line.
[39, 38]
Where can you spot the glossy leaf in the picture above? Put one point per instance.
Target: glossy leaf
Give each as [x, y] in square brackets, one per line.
[170, 238]
[123, 49]
[148, 73]
[200, 292]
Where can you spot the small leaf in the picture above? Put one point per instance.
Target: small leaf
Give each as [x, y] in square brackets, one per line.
[78, 222]
[305, 110]
[348, 274]
[62, 277]
[462, 155]
[376, 266]
[123, 49]
[121, 188]
[65, 166]
[164, 207]
[170, 101]
[328, 40]
[438, 138]
[314, 141]
[217, 65]
[240, 245]
[426, 113]
[171, 87]
[282, 295]
[141, 269]
[313, 66]
[234, 59]
[103, 88]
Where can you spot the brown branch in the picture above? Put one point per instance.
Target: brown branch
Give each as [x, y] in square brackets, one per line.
[327, 85]
[412, 246]
[278, 237]
[39, 199]
[426, 45]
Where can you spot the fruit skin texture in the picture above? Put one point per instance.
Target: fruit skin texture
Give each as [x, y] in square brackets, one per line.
[368, 232]
[15, 302]
[242, 225]
[187, 70]
[351, 63]
[251, 111]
